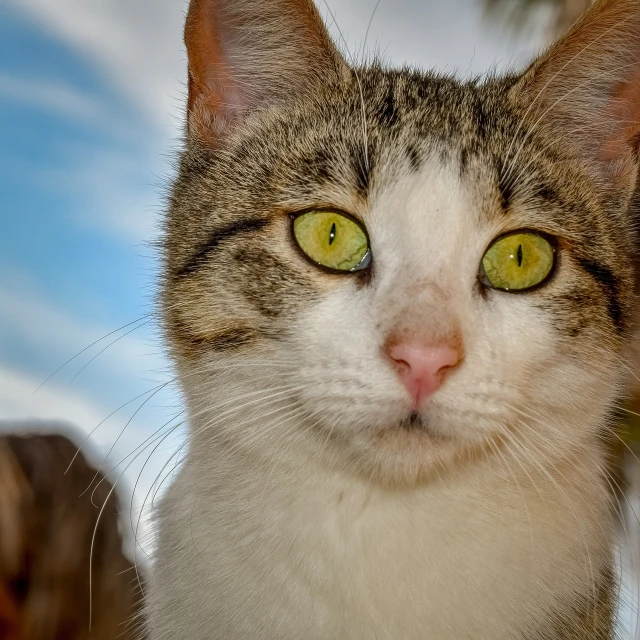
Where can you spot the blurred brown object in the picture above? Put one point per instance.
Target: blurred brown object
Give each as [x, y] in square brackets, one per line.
[47, 522]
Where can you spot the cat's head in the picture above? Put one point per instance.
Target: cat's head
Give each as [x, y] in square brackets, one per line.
[392, 270]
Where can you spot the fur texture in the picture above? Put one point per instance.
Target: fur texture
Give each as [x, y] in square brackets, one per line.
[313, 503]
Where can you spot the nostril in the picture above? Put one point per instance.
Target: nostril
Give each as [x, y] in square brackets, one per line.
[400, 356]
[445, 357]
[422, 367]
[402, 365]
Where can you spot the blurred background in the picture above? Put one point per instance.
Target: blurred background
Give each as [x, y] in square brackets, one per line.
[91, 108]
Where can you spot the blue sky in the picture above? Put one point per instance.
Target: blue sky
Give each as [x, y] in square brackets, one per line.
[91, 97]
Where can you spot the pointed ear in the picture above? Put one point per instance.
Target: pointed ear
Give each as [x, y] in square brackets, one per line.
[586, 88]
[245, 54]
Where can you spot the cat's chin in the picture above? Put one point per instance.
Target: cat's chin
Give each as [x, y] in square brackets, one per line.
[413, 451]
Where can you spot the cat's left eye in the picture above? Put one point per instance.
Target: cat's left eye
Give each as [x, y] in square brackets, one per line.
[332, 240]
[518, 261]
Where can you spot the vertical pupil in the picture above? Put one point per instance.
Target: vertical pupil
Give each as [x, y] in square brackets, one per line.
[519, 255]
[332, 234]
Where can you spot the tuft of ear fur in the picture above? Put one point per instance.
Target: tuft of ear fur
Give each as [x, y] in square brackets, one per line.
[586, 88]
[246, 54]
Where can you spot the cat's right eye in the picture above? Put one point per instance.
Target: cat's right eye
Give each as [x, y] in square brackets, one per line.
[332, 240]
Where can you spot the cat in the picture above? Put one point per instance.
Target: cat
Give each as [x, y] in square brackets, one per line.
[398, 305]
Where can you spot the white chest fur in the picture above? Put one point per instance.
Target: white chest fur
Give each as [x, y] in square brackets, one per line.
[318, 556]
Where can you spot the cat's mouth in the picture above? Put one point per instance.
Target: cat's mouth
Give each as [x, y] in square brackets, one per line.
[416, 425]
[414, 449]
[414, 422]
[419, 448]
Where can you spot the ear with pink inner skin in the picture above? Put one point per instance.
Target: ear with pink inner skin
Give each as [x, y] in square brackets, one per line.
[246, 54]
[587, 89]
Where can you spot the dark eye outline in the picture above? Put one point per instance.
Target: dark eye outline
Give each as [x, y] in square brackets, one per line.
[553, 242]
[363, 265]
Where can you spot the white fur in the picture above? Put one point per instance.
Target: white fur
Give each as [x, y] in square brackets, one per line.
[291, 519]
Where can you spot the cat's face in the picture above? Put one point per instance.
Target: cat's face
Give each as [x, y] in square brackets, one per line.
[411, 362]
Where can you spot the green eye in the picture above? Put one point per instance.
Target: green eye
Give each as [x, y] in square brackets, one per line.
[517, 261]
[332, 240]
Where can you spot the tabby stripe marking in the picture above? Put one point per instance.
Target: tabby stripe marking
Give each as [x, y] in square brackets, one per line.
[216, 238]
[610, 288]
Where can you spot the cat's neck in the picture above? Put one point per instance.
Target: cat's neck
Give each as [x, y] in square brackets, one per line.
[494, 529]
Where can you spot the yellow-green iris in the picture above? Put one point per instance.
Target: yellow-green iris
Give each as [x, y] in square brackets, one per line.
[518, 261]
[332, 240]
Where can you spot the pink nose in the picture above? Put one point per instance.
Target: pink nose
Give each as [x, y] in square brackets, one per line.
[421, 368]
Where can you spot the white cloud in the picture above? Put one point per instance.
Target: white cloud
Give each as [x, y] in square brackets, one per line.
[54, 96]
[114, 189]
[44, 325]
[22, 402]
[137, 44]
[52, 403]
[112, 183]
[24, 405]
[69, 102]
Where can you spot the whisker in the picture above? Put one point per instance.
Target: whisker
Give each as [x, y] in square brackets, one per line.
[124, 335]
[135, 413]
[70, 360]
[357, 77]
[88, 436]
